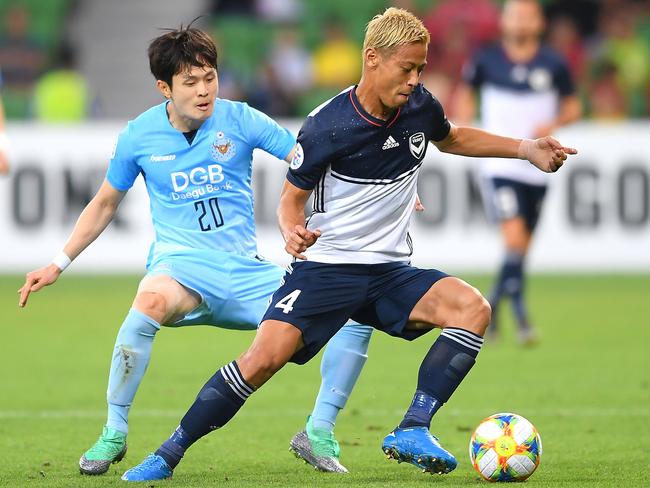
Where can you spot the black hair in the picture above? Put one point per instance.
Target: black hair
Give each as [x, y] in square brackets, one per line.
[178, 50]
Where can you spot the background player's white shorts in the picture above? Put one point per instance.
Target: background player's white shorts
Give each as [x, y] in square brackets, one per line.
[235, 290]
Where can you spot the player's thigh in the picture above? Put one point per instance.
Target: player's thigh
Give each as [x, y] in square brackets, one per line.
[162, 295]
[235, 290]
[451, 302]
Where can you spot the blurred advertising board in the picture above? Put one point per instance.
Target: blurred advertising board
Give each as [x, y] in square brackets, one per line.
[596, 217]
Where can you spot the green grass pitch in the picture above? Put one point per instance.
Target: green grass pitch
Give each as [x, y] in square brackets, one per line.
[586, 387]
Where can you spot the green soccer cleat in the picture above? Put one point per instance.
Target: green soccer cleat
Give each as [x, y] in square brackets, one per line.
[109, 448]
[317, 447]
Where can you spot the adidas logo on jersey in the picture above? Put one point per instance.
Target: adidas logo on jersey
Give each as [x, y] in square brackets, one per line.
[390, 143]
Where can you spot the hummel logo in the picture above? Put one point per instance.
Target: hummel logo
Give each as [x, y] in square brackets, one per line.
[390, 143]
[160, 159]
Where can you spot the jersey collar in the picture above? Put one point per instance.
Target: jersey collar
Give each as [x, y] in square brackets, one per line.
[366, 116]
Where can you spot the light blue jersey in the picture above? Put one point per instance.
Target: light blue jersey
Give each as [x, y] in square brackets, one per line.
[200, 193]
[202, 206]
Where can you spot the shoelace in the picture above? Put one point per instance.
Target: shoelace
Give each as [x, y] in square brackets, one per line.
[146, 465]
[326, 446]
[108, 447]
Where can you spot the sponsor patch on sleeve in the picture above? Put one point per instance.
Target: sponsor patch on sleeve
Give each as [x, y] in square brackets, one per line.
[298, 157]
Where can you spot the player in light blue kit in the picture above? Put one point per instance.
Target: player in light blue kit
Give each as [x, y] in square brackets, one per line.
[194, 152]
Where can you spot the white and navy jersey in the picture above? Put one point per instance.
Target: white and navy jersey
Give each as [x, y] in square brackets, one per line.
[515, 99]
[364, 171]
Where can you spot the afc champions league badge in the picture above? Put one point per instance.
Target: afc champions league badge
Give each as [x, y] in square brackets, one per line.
[298, 157]
[417, 145]
[222, 148]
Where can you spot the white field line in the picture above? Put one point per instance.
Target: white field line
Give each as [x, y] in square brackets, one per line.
[368, 413]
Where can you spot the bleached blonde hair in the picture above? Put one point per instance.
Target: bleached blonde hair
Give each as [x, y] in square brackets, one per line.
[395, 27]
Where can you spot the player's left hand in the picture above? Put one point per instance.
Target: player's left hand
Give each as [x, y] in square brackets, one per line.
[546, 153]
[299, 239]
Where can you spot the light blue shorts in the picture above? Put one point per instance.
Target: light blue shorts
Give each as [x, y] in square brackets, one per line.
[235, 290]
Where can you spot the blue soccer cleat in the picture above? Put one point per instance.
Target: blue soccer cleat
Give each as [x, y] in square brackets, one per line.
[417, 446]
[152, 468]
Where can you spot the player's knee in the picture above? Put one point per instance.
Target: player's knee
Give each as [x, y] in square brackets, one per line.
[151, 304]
[475, 312]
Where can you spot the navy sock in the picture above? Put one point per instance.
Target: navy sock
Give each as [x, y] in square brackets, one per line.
[173, 449]
[444, 367]
[509, 283]
[217, 402]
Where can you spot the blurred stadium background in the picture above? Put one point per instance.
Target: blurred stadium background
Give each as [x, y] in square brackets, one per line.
[74, 71]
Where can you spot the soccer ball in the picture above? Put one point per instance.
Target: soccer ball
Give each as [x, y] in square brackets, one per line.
[505, 447]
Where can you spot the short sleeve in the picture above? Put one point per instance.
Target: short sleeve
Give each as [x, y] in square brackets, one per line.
[313, 155]
[123, 169]
[268, 135]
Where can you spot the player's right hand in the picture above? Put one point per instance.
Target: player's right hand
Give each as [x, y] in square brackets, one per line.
[545, 153]
[37, 279]
[299, 239]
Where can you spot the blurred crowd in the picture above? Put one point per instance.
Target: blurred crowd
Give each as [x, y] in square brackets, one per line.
[287, 56]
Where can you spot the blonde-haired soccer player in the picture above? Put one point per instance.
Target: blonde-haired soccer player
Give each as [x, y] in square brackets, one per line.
[360, 154]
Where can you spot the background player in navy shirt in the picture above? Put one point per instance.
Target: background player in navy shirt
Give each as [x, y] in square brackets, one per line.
[360, 154]
[195, 153]
[525, 90]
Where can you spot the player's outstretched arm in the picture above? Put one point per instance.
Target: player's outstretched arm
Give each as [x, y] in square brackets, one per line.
[91, 223]
[545, 153]
[291, 218]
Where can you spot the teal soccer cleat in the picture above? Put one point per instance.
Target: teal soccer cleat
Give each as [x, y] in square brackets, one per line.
[109, 448]
[318, 448]
[152, 468]
[417, 446]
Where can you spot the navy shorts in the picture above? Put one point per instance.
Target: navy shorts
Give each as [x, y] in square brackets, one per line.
[319, 298]
[506, 199]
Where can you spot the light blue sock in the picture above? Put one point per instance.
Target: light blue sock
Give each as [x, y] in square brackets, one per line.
[342, 362]
[130, 360]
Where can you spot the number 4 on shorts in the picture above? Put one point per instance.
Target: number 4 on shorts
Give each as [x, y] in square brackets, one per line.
[286, 304]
